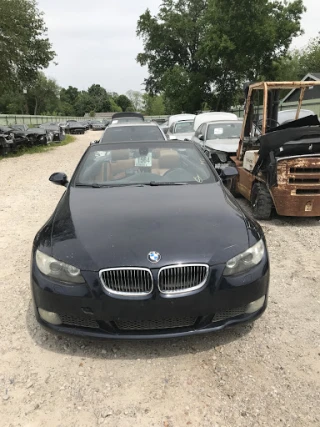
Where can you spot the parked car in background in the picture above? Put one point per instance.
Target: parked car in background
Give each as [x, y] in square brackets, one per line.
[219, 139]
[75, 128]
[7, 141]
[179, 117]
[97, 125]
[285, 116]
[211, 117]
[39, 136]
[86, 124]
[139, 131]
[58, 133]
[152, 251]
[20, 134]
[164, 127]
[182, 130]
[63, 125]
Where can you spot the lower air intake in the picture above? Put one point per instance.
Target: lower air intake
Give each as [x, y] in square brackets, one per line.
[149, 325]
[228, 314]
[78, 321]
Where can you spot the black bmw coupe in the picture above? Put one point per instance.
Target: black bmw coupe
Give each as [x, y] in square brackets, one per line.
[147, 242]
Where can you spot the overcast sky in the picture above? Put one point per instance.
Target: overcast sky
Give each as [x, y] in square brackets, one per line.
[96, 40]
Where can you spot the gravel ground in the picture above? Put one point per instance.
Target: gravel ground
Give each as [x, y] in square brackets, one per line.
[261, 375]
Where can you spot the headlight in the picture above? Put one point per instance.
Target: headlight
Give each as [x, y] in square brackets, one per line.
[57, 269]
[246, 260]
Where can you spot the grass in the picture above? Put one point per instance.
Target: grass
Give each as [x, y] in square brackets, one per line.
[40, 148]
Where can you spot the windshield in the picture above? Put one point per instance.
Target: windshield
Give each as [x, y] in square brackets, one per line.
[143, 164]
[184, 127]
[132, 133]
[224, 130]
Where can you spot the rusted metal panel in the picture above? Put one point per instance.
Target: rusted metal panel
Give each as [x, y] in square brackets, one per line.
[244, 183]
[298, 189]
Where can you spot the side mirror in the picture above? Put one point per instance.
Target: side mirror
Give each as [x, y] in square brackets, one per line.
[59, 178]
[228, 173]
[201, 137]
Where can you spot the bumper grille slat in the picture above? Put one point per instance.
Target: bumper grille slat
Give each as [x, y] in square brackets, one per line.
[149, 325]
[127, 281]
[227, 314]
[80, 322]
[182, 278]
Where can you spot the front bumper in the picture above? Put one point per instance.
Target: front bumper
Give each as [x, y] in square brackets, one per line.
[86, 310]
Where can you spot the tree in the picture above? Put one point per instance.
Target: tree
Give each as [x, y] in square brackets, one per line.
[24, 47]
[124, 102]
[153, 105]
[297, 63]
[201, 51]
[136, 99]
[43, 95]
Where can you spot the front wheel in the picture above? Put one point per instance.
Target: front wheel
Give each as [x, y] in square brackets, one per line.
[261, 201]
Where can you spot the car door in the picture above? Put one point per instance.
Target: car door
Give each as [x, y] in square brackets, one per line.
[201, 132]
[170, 133]
[195, 137]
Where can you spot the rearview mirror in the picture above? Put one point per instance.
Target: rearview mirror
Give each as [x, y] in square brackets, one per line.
[228, 172]
[59, 178]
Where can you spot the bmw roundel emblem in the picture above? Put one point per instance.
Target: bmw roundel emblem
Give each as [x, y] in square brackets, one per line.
[154, 257]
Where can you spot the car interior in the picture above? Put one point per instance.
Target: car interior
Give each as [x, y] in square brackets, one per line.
[122, 165]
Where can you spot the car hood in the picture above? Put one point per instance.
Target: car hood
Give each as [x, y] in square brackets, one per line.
[113, 227]
[226, 145]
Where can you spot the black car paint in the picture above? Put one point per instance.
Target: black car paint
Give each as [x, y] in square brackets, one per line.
[99, 228]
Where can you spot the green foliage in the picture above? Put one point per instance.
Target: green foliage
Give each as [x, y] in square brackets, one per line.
[124, 102]
[24, 46]
[298, 63]
[92, 114]
[43, 95]
[201, 51]
[153, 105]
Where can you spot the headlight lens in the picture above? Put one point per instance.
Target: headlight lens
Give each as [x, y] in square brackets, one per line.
[245, 261]
[57, 269]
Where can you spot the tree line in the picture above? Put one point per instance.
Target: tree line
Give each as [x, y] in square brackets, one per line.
[199, 53]
[44, 97]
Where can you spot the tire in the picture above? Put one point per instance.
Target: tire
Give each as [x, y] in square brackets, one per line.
[261, 202]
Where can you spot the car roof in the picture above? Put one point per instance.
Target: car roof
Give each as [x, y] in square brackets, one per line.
[133, 124]
[213, 116]
[180, 117]
[214, 122]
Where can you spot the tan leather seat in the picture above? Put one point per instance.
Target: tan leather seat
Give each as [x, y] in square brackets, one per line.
[120, 163]
[169, 159]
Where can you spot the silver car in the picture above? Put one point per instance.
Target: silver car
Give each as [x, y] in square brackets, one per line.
[182, 130]
[221, 138]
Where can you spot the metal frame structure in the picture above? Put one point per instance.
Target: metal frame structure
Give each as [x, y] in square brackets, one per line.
[266, 86]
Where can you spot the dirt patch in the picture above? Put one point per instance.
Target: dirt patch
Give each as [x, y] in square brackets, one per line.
[262, 375]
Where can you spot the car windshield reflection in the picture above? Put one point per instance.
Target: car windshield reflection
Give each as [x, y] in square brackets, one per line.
[112, 165]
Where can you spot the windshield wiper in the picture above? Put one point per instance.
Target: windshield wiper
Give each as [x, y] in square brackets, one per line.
[158, 184]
